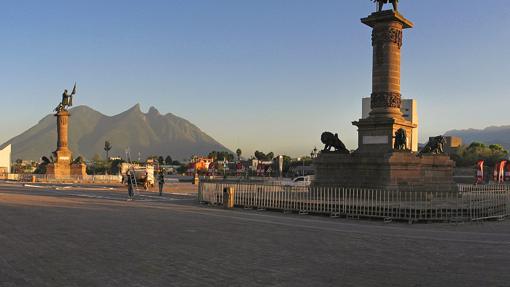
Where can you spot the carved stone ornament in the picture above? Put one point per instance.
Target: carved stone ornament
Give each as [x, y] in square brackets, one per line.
[385, 100]
[391, 35]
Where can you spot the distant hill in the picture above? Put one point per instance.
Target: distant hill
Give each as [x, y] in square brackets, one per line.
[490, 135]
[148, 133]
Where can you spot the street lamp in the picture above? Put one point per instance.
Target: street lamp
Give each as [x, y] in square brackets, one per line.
[280, 165]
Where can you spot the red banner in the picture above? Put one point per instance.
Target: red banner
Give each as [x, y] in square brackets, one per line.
[501, 171]
[479, 172]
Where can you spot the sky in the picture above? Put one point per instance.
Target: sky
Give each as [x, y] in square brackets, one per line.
[268, 75]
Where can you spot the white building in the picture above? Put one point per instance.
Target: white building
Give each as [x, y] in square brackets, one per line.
[5, 160]
[409, 109]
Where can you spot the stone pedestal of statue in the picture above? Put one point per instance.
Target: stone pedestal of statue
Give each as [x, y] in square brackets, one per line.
[393, 170]
[376, 164]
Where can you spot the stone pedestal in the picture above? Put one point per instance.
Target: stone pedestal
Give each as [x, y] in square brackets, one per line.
[395, 170]
[375, 164]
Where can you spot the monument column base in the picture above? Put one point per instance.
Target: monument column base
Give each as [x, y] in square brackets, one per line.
[395, 170]
[376, 135]
[58, 170]
[66, 170]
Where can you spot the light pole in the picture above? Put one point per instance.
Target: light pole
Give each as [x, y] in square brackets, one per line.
[298, 159]
[280, 165]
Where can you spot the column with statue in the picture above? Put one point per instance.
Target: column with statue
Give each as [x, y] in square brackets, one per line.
[384, 158]
[64, 166]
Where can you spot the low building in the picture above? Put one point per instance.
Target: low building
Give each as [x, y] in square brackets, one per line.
[5, 160]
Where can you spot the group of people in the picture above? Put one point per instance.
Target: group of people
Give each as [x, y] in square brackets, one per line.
[131, 182]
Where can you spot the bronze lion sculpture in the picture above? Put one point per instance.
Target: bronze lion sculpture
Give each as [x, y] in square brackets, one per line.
[434, 146]
[331, 140]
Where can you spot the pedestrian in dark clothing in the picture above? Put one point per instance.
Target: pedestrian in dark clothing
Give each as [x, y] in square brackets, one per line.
[161, 181]
[131, 183]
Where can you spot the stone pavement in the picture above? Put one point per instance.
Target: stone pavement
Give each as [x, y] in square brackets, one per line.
[78, 236]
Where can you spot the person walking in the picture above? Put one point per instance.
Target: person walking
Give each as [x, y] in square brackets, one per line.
[146, 182]
[161, 181]
[130, 183]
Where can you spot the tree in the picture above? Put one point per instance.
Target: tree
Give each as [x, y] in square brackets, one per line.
[98, 165]
[115, 166]
[469, 155]
[262, 156]
[238, 153]
[107, 148]
[168, 160]
[161, 160]
[221, 155]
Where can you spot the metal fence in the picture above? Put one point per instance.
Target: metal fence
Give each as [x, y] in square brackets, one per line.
[52, 179]
[469, 203]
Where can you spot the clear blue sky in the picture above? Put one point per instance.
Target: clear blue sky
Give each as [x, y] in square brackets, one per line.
[259, 74]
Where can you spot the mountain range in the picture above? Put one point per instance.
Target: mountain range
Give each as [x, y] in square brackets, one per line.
[490, 135]
[148, 133]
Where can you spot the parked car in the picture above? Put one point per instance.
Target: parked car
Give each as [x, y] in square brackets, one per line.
[301, 181]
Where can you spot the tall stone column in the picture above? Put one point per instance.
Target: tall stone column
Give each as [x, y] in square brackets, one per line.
[63, 152]
[387, 38]
[376, 133]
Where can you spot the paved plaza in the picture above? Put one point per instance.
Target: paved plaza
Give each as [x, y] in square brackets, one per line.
[91, 236]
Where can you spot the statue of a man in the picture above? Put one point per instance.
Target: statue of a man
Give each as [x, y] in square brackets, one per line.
[67, 100]
[382, 2]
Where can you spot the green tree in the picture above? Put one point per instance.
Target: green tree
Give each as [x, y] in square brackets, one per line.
[221, 155]
[107, 148]
[213, 155]
[469, 155]
[115, 166]
[161, 160]
[262, 156]
[168, 160]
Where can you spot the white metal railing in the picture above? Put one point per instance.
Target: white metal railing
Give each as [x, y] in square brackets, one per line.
[53, 179]
[467, 204]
